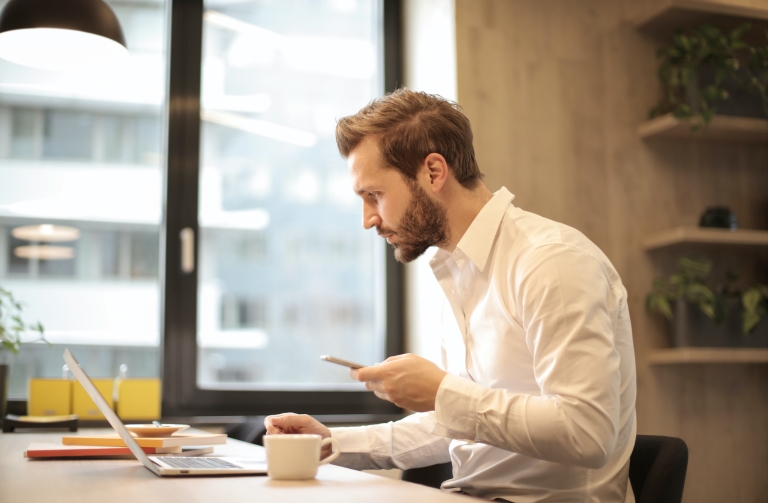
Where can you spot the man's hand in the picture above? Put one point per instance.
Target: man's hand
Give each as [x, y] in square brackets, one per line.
[408, 381]
[298, 423]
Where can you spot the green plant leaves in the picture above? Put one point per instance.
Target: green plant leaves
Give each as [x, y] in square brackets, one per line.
[755, 303]
[690, 285]
[12, 326]
[708, 47]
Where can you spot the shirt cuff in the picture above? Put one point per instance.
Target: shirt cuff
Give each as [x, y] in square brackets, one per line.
[456, 408]
[353, 439]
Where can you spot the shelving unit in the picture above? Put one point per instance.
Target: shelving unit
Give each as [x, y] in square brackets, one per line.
[708, 236]
[722, 128]
[663, 19]
[680, 356]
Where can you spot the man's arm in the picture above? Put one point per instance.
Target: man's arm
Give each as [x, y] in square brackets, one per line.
[408, 443]
[403, 444]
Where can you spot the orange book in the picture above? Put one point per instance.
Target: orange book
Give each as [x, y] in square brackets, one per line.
[173, 441]
[72, 451]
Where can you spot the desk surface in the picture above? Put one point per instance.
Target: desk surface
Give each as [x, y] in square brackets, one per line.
[127, 480]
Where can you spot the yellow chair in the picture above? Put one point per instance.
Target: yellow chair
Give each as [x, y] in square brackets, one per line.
[49, 397]
[139, 399]
[83, 406]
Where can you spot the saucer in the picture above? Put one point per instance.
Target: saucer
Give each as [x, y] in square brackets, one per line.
[151, 430]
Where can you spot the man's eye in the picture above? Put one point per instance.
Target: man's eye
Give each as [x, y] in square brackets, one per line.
[373, 195]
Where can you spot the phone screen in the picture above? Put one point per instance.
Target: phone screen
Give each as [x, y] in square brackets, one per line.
[339, 361]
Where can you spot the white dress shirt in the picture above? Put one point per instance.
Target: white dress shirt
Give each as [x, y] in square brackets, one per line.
[539, 401]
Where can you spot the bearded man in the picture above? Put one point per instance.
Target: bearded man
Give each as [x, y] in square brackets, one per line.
[535, 400]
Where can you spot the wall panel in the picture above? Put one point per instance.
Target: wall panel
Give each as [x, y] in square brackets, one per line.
[555, 90]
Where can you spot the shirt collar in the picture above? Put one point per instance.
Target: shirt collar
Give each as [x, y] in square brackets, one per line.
[477, 241]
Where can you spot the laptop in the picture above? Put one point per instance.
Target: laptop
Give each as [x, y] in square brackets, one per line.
[170, 466]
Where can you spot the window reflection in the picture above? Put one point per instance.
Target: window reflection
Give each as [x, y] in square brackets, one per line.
[287, 273]
[83, 149]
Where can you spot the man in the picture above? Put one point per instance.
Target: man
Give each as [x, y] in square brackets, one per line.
[536, 398]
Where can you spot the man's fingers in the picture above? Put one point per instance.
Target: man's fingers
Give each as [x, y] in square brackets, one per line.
[397, 357]
[375, 373]
[282, 423]
[375, 386]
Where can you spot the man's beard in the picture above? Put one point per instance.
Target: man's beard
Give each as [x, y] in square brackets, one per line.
[424, 224]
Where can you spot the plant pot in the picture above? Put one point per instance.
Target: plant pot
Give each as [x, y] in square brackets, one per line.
[692, 328]
[741, 102]
[5, 375]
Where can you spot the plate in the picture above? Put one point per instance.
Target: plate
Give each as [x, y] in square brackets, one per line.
[151, 430]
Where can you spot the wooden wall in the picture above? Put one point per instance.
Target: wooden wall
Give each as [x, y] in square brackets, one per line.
[555, 90]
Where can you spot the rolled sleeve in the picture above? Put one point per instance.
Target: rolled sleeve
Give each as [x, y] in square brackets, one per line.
[408, 443]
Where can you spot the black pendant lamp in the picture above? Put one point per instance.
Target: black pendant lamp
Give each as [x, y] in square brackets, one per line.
[60, 34]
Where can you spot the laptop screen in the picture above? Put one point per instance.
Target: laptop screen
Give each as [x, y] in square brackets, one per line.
[118, 425]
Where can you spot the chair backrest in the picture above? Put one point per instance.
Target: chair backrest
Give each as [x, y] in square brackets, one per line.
[251, 430]
[657, 469]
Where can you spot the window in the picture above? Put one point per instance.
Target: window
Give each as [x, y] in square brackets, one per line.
[82, 150]
[283, 270]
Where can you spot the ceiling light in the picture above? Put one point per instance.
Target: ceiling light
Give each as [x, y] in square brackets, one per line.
[60, 34]
[45, 252]
[46, 233]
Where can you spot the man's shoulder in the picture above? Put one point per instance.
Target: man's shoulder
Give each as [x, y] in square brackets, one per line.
[528, 236]
[532, 231]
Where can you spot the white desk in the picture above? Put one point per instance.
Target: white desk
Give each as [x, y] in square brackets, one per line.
[126, 480]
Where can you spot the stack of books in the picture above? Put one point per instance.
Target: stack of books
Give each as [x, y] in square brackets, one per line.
[79, 446]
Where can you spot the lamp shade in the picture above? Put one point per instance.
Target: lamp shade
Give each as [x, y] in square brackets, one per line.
[60, 34]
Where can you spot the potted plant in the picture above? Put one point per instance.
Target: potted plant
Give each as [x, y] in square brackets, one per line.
[703, 315]
[705, 70]
[12, 327]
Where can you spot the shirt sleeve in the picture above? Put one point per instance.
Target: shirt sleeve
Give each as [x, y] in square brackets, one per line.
[562, 296]
[408, 443]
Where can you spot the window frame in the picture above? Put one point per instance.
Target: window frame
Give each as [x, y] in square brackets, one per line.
[181, 396]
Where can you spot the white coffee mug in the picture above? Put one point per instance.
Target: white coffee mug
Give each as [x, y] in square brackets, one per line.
[296, 457]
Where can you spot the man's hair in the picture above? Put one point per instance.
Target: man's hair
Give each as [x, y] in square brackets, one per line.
[411, 125]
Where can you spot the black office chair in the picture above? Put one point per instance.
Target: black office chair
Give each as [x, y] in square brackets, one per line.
[251, 430]
[657, 470]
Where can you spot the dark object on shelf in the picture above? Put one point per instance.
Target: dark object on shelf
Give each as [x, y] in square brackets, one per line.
[657, 469]
[720, 217]
[692, 328]
[12, 422]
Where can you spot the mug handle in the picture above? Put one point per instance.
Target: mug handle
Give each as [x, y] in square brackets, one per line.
[336, 450]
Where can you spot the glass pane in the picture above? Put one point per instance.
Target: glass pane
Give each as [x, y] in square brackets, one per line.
[82, 149]
[286, 271]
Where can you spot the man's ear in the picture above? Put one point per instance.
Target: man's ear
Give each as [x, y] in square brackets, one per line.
[436, 169]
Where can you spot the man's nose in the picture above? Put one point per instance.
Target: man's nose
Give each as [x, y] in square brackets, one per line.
[370, 218]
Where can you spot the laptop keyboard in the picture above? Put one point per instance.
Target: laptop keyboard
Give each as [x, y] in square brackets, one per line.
[206, 463]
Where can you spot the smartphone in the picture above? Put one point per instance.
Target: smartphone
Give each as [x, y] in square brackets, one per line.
[339, 361]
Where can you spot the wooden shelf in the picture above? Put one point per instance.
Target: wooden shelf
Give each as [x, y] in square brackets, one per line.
[671, 15]
[708, 355]
[708, 236]
[722, 128]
